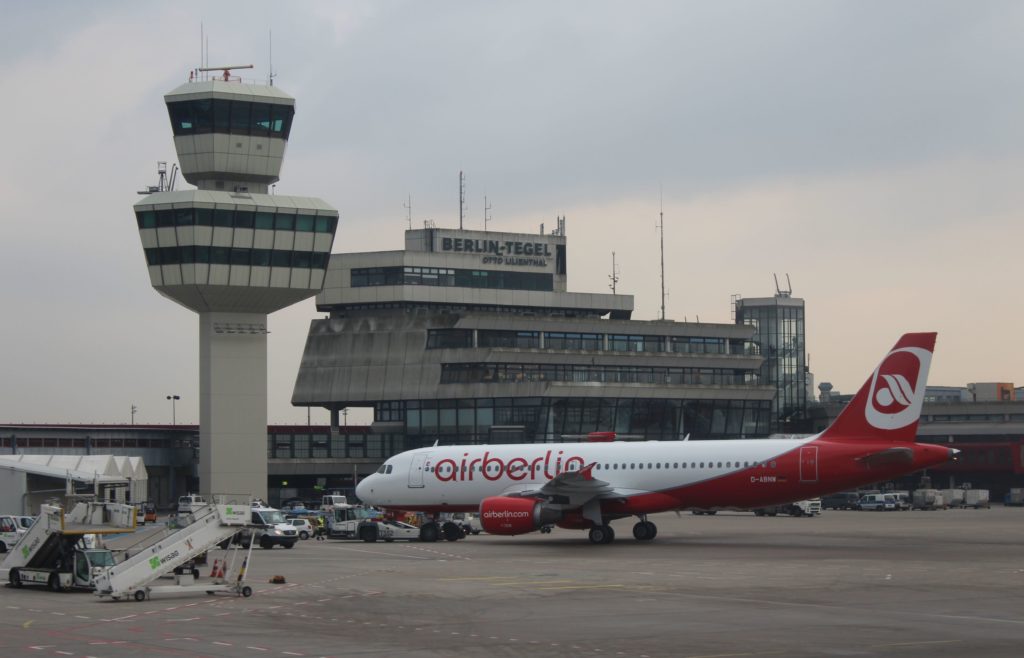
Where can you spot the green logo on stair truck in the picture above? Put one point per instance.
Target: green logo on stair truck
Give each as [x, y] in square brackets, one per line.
[154, 562]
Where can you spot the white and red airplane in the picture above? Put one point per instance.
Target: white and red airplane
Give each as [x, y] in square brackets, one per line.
[525, 487]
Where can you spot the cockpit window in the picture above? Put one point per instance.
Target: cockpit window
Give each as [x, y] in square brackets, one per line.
[385, 469]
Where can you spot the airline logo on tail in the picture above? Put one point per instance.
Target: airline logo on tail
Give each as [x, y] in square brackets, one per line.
[897, 388]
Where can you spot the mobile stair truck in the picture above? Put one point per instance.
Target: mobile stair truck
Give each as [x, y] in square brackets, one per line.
[213, 523]
[54, 552]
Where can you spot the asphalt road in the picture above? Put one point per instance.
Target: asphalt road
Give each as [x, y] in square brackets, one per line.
[889, 584]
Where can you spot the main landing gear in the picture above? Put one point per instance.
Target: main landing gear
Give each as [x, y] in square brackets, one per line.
[602, 534]
[432, 531]
[644, 530]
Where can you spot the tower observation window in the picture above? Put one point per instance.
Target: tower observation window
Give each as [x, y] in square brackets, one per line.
[227, 218]
[216, 115]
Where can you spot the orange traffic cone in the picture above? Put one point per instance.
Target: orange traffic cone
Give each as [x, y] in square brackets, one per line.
[213, 571]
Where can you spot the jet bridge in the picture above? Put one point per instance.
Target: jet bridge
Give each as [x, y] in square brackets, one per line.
[213, 524]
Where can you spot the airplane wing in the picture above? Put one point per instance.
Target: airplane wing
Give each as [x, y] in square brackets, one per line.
[568, 490]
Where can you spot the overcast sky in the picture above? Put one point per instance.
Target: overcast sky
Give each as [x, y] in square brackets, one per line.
[871, 150]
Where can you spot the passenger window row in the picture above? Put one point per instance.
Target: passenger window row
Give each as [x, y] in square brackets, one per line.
[492, 468]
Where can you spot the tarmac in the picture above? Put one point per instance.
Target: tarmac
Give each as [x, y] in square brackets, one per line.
[888, 584]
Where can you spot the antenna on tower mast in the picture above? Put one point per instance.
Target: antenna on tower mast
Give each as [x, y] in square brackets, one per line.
[487, 208]
[270, 58]
[462, 198]
[661, 226]
[614, 276]
[408, 211]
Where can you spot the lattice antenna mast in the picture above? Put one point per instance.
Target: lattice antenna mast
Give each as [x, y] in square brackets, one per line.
[270, 58]
[614, 276]
[462, 198]
[487, 209]
[408, 211]
[661, 226]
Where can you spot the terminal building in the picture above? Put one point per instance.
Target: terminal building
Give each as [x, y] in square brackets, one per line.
[474, 337]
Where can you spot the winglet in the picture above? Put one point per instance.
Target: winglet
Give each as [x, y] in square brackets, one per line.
[888, 405]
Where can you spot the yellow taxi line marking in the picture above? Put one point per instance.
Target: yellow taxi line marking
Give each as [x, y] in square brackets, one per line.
[583, 587]
[914, 644]
[531, 582]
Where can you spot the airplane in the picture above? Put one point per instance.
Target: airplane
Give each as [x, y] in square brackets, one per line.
[521, 488]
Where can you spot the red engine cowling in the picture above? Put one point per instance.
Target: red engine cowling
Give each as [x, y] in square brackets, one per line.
[504, 515]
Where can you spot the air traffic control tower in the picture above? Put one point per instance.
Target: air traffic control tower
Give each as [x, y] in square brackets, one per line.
[233, 253]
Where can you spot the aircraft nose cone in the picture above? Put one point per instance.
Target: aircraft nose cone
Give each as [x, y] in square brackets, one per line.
[364, 490]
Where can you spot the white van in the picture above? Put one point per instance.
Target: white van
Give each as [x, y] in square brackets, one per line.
[878, 502]
[190, 503]
[270, 529]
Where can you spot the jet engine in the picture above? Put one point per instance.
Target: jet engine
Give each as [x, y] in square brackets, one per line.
[505, 515]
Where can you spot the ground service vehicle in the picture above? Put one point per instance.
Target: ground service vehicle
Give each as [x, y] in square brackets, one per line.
[26, 521]
[54, 552]
[268, 528]
[521, 488]
[212, 524]
[344, 521]
[903, 500]
[190, 502]
[877, 503]
[390, 530]
[468, 521]
[799, 508]
[976, 498]
[927, 499]
[841, 500]
[10, 532]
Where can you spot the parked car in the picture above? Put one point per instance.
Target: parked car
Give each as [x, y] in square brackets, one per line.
[25, 521]
[842, 500]
[877, 502]
[303, 526]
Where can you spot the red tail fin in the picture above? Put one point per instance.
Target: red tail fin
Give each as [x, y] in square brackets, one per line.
[888, 405]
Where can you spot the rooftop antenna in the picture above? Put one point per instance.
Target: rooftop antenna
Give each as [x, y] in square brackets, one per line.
[614, 276]
[270, 58]
[408, 211]
[661, 226]
[487, 208]
[779, 292]
[462, 197]
[165, 182]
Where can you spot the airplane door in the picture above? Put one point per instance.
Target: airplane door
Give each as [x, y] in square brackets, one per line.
[809, 464]
[416, 470]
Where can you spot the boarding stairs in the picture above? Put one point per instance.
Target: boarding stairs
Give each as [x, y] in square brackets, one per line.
[213, 524]
[42, 544]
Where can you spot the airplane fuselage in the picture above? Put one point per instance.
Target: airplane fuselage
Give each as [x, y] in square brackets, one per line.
[648, 476]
